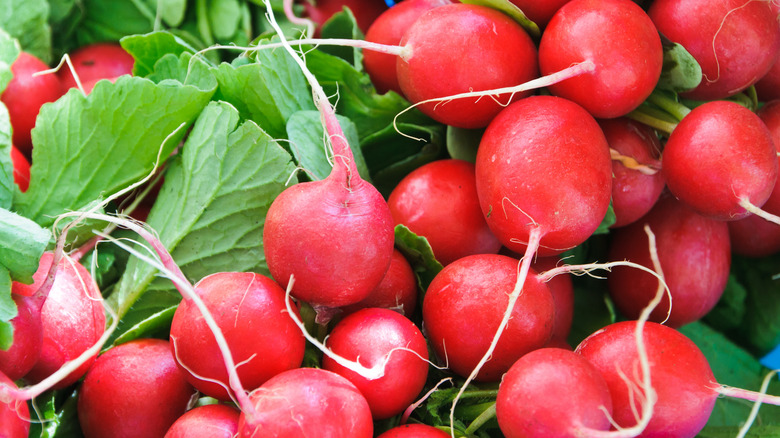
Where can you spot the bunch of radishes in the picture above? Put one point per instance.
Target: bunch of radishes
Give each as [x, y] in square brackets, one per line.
[342, 337]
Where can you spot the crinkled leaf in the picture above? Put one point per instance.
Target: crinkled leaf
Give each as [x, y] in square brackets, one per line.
[343, 25]
[267, 91]
[185, 70]
[9, 51]
[90, 147]
[419, 253]
[462, 143]
[211, 209]
[307, 143]
[681, 71]
[512, 10]
[22, 243]
[7, 185]
[28, 21]
[756, 431]
[147, 49]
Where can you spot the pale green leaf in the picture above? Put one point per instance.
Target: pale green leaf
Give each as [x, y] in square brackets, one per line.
[28, 21]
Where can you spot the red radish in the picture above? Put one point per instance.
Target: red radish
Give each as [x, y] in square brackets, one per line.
[365, 11]
[539, 11]
[636, 161]
[25, 95]
[439, 202]
[94, 62]
[459, 48]
[250, 310]
[374, 336]
[25, 350]
[735, 41]
[768, 87]
[562, 290]
[531, 144]
[309, 402]
[681, 377]
[414, 431]
[720, 160]
[553, 392]
[754, 236]
[626, 70]
[695, 256]
[397, 291]
[72, 316]
[14, 415]
[477, 287]
[388, 29]
[207, 421]
[133, 390]
[21, 169]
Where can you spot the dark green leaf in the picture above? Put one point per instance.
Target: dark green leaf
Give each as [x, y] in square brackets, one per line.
[28, 21]
[343, 25]
[512, 10]
[143, 329]
[419, 253]
[57, 412]
[112, 20]
[729, 313]
[462, 143]
[732, 431]
[609, 219]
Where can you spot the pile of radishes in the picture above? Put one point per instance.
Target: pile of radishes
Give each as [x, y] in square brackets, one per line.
[457, 284]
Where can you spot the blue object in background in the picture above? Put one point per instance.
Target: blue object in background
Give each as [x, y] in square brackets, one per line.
[389, 3]
[772, 360]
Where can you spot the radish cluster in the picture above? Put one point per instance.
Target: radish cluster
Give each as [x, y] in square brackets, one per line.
[353, 326]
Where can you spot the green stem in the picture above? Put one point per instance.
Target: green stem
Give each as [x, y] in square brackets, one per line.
[483, 418]
[668, 104]
[652, 118]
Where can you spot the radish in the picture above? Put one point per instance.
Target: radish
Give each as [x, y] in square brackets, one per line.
[754, 236]
[721, 161]
[539, 11]
[477, 286]
[21, 169]
[397, 291]
[25, 350]
[734, 41]
[637, 181]
[389, 28]
[207, 421]
[627, 69]
[768, 87]
[373, 336]
[532, 142]
[365, 11]
[24, 96]
[309, 402]
[553, 392]
[562, 291]
[695, 256]
[439, 201]
[414, 431]
[249, 308]
[133, 390]
[14, 415]
[94, 62]
[459, 48]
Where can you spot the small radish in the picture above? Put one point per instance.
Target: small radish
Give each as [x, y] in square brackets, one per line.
[94, 62]
[207, 421]
[637, 181]
[14, 415]
[459, 48]
[439, 202]
[25, 95]
[695, 256]
[388, 29]
[398, 290]
[721, 161]
[626, 69]
[734, 41]
[416, 430]
[478, 288]
[308, 402]
[552, 392]
[250, 310]
[374, 336]
[133, 390]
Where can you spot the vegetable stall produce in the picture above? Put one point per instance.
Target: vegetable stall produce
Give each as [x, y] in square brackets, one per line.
[480, 218]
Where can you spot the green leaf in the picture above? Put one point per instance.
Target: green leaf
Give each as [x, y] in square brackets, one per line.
[681, 71]
[9, 51]
[609, 219]
[419, 253]
[28, 21]
[224, 17]
[343, 25]
[512, 10]
[112, 20]
[8, 310]
[7, 185]
[210, 211]
[143, 329]
[184, 70]
[172, 11]
[147, 49]
[307, 142]
[462, 143]
[267, 91]
[56, 416]
[22, 243]
[756, 431]
[729, 312]
[89, 147]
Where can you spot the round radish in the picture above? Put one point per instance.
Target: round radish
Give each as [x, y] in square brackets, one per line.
[552, 392]
[398, 290]
[719, 159]
[250, 310]
[544, 163]
[25, 350]
[388, 29]
[381, 336]
[207, 421]
[695, 256]
[414, 431]
[459, 48]
[14, 415]
[734, 41]
[626, 69]
[133, 390]
[562, 290]
[477, 288]
[365, 11]
[21, 169]
[94, 62]
[439, 202]
[308, 402]
[681, 377]
[768, 87]
[24, 96]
